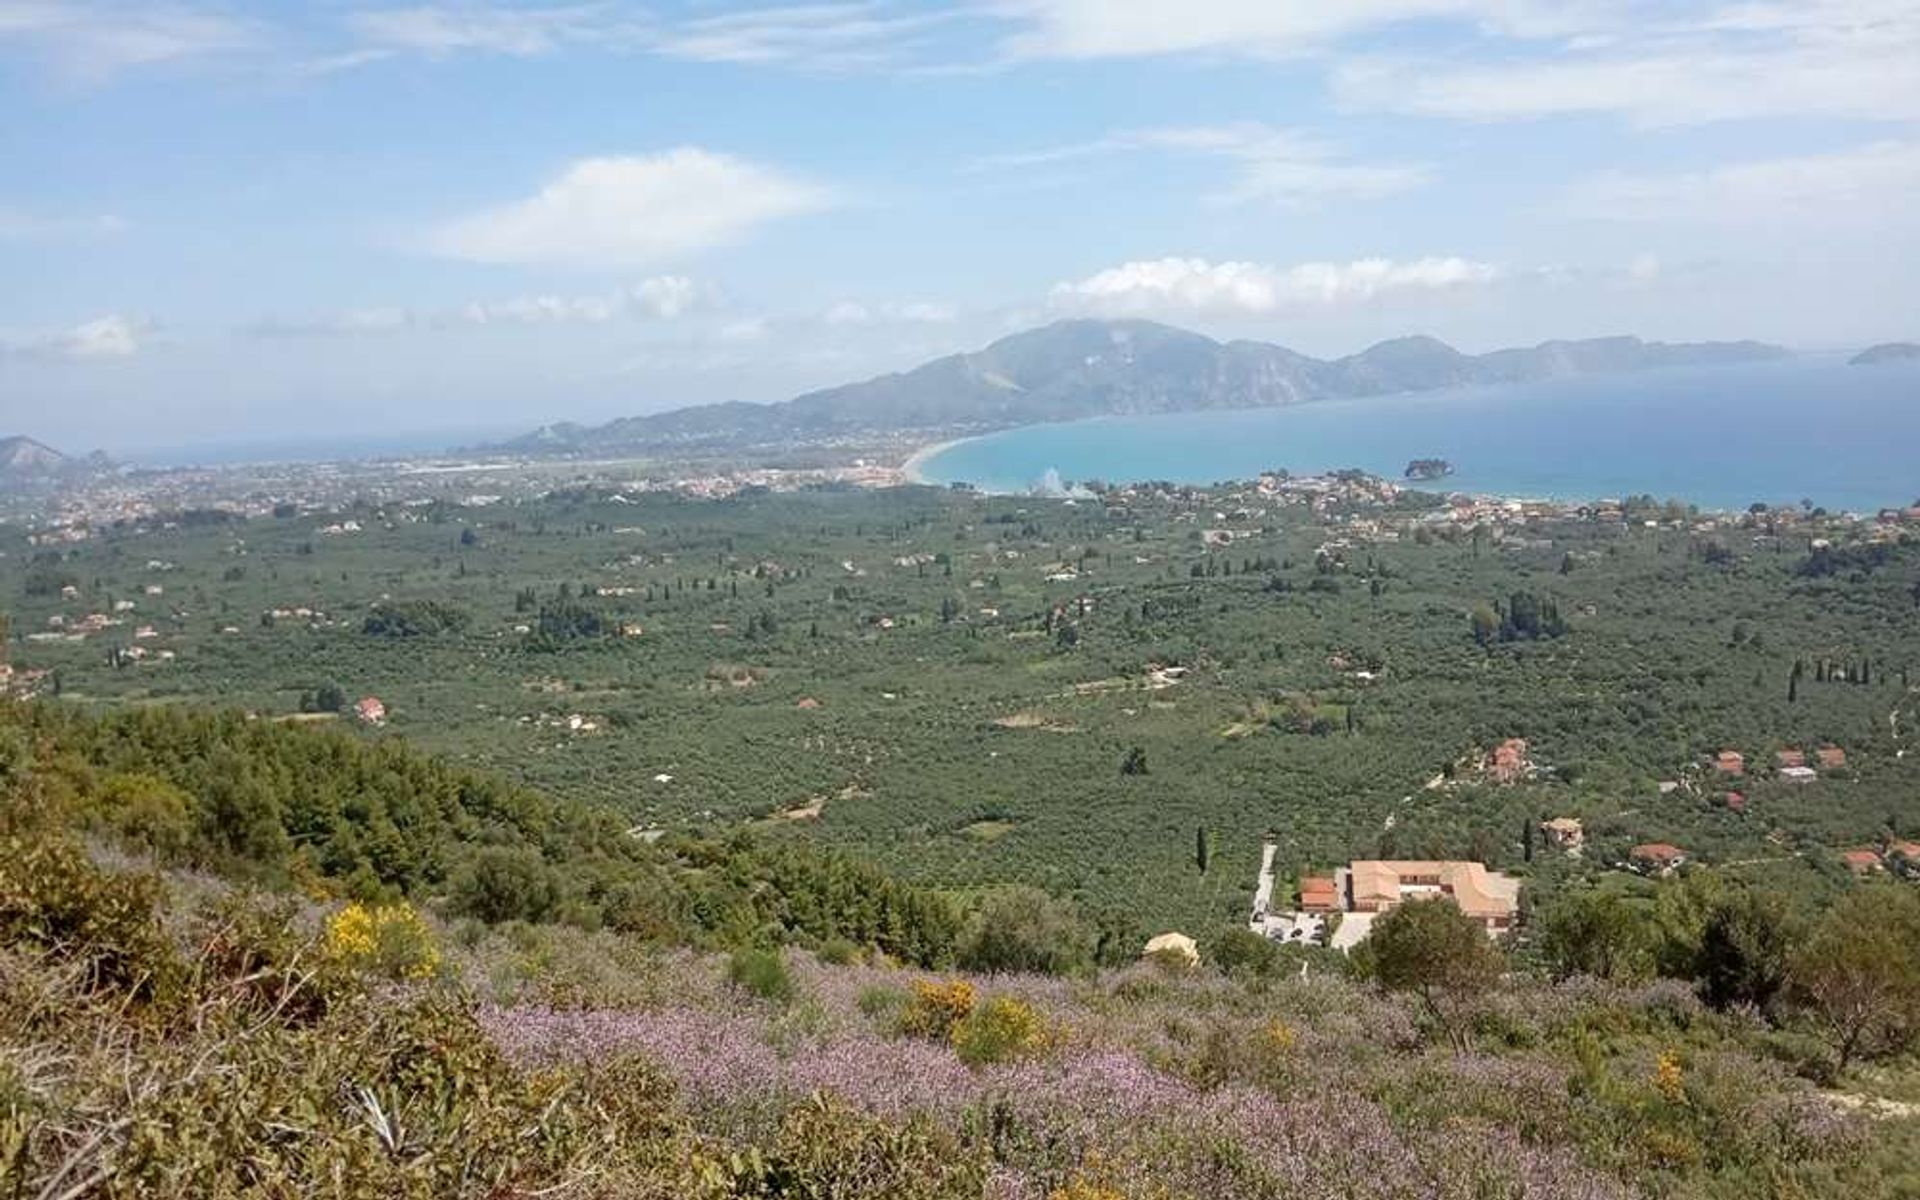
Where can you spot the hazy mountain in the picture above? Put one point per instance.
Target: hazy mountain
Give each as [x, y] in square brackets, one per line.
[24, 458]
[1886, 352]
[1085, 368]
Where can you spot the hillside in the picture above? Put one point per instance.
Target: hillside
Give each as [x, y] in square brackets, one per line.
[1886, 352]
[1084, 368]
[22, 457]
[250, 1034]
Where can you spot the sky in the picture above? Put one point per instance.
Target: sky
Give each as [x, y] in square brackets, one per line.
[233, 223]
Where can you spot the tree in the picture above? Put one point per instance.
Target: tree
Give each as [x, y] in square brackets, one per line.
[1857, 976]
[1241, 951]
[1597, 933]
[1486, 624]
[1743, 950]
[1024, 929]
[1441, 955]
[1200, 849]
[1135, 763]
[506, 884]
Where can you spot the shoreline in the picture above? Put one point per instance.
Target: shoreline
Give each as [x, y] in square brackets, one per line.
[913, 470]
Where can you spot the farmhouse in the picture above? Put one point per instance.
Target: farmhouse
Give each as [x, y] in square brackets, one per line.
[1377, 886]
[1508, 762]
[1730, 762]
[370, 710]
[1566, 833]
[1861, 862]
[1659, 858]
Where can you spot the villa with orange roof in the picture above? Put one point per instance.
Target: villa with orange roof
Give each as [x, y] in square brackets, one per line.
[1377, 886]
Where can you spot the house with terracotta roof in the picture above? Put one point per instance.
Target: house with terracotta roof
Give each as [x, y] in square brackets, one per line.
[1906, 850]
[1830, 758]
[1660, 858]
[1730, 762]
[1735, 801]
[1377, 886]
[1790, 758]
[1863, 861]
[1319, 894]
[1508, 762]
[370, 710]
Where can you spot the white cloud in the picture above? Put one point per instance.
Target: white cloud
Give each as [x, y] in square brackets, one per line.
[18, 226]
[1842, 188]
[815, 35]
[627, 211]
[1083, 29]
[92, 41]
[824, 36]
[923, 312]
[1276, 166]
[1192, 285]
[667, 296]
[112, 336]
[660, 298]
[1831, 58]
[442, 30]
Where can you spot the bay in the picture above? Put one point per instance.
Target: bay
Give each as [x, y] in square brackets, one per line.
[1810, 427]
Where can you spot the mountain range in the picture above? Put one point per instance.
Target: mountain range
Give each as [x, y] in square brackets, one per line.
[1089, 368]
[1886, 352]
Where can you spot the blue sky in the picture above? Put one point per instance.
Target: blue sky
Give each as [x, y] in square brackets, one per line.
[233, 222]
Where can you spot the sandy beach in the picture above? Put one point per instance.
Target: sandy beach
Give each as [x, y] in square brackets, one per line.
[911, 469]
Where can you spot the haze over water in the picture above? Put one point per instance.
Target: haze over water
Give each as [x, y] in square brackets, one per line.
[1809, 427]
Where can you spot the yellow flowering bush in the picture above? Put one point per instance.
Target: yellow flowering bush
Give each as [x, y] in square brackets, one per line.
[999, 1030]
[936, 1009]
[1082, 1188]
[1671, 1078]
[1279, 1036]
[390, 940]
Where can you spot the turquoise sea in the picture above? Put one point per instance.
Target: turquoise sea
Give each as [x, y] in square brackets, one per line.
[1809, 427]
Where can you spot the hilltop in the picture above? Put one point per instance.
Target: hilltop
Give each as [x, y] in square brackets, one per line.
[24, 457]
[29, 465]
[1886, 352]
[1076, 369]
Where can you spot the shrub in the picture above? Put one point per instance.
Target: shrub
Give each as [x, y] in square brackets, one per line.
[936, 1008]
[1243, 952]
[390, 941]
[879, 1001]
[1024, 929]
[54, 899]
[1000, 1030]
[762, 973]
[827, 1152]
[502, 884]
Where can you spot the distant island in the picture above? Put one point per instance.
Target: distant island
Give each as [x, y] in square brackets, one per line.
[1075, 369]
[1886, 352]
[1429, 468]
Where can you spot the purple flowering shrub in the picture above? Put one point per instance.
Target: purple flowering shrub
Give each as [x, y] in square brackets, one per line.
[1199, 1086]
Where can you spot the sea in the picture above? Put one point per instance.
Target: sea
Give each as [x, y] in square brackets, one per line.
[1783, 432]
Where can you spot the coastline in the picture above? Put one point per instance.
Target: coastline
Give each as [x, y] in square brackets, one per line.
[912, 470]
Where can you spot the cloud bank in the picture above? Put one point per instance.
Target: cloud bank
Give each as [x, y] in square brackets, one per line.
[632, 211]
[1194, 286]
